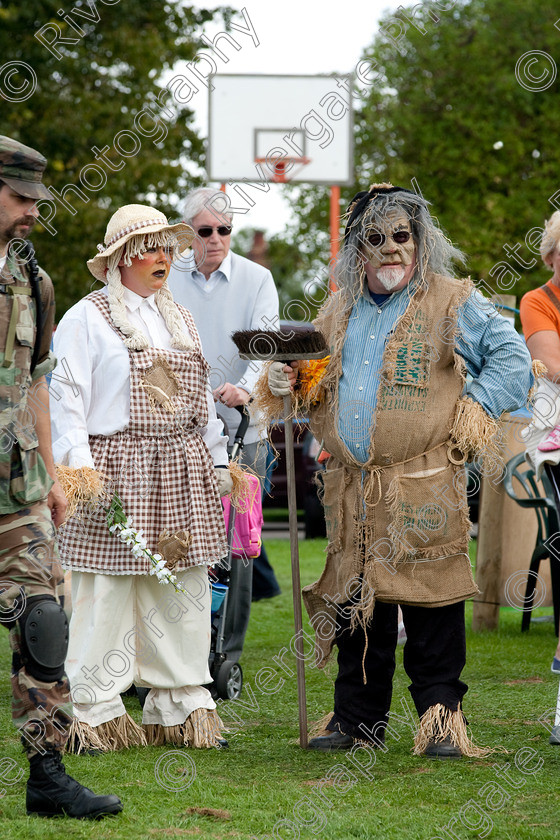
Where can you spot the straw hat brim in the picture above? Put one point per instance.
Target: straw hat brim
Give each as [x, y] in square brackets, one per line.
[97, 265]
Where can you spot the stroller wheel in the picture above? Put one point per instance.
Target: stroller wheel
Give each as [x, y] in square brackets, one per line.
[229, 680]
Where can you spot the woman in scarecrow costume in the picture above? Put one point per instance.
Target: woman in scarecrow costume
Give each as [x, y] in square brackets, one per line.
[133, 416]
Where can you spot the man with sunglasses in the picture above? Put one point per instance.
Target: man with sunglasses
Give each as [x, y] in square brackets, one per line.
[226, 292]
[395, 413]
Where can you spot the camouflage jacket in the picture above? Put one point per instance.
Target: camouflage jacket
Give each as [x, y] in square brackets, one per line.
[23, 476]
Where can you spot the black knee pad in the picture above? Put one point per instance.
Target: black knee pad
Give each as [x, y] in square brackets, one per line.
[44, 638]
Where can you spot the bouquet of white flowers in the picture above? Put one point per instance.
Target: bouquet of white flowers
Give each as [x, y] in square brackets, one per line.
[121, 525]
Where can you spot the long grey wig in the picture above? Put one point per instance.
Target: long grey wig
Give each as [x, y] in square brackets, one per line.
[369, 212]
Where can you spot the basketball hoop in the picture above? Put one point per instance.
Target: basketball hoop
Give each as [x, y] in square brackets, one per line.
[281, 170]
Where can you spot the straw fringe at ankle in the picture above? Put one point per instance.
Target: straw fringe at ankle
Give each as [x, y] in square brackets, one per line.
[117, 734]
[319, 727]
[202, 730]
[438, 723]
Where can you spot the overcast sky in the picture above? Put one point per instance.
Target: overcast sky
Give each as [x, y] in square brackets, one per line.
[296, 37]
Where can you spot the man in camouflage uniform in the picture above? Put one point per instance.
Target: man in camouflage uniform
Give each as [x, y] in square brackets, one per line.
[32, 502]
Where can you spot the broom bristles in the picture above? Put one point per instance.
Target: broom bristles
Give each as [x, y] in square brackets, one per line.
[289, 343]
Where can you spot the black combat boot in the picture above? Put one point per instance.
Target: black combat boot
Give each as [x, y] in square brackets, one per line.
[52, 793]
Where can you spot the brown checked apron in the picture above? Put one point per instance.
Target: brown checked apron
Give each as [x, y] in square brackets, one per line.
[159, 465]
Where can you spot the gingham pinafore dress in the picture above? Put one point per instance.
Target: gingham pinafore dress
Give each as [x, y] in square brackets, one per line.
[159, 465]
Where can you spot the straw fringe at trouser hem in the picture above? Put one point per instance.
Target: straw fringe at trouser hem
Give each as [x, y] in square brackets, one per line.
[202, 730]
[117, 734]
[319, 727]
[438, 723]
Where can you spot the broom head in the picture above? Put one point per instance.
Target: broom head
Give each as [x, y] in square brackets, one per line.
[285, 345]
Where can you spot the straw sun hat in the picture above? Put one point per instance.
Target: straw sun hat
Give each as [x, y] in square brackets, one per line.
[133, 220]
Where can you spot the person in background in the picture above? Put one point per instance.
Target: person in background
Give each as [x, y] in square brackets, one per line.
[226, 292]
[540, 319]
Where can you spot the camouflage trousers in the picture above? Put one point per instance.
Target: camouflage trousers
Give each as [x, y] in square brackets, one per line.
[30, 565]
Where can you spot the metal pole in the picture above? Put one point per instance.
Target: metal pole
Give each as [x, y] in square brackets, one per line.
[294, 556]
[334, 228]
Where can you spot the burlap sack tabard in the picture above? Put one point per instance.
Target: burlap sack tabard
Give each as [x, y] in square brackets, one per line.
[398, 525]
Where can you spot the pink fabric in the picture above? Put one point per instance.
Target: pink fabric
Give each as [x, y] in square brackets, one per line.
[246, 540]
[552, 442]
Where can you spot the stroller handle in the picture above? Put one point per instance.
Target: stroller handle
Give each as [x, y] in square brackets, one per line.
[242, 429]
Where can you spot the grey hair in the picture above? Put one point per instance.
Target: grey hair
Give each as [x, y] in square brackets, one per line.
[206, 198]
[435, 253]
[550, 237]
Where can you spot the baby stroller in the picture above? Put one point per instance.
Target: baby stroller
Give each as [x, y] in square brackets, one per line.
[231, 584]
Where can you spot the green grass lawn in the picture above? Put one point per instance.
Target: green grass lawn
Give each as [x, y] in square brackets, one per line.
[272, 788]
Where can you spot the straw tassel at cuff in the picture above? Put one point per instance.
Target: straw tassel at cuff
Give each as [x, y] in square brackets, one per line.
[81, 485]
[202, 730]
[439, 723]
[538, 369]
[117, 734]
[242, 493]
[475, 432]
[270, 408]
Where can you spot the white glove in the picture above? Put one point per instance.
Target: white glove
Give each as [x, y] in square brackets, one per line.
[225, 483]
[278, 380]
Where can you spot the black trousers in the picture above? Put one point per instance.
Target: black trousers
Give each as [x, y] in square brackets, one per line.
[434, 656]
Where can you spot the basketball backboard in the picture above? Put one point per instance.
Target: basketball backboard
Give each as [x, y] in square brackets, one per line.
[257, 121]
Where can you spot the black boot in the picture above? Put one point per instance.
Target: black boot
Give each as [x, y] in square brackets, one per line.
[51, 792]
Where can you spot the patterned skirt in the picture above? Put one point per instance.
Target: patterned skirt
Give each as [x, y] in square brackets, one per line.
[166, 484]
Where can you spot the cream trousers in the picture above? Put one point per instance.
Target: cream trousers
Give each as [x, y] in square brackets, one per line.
[129, 629]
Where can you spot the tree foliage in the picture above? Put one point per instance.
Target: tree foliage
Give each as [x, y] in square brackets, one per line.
[84, 96]
[300, 277]
[447, 107]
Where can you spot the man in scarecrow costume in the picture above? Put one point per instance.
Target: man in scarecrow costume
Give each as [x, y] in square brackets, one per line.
[391, 409]
[134, 417]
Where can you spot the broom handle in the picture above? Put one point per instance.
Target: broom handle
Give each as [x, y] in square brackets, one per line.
[294, 556]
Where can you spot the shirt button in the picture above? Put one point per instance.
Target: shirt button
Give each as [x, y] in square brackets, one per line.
[357, 446]
[366, 362]
[372, 336]
[360, 388]
[356, 416]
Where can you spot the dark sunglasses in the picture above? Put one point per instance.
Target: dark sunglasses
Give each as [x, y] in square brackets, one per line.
[399, 236]
[205, 232]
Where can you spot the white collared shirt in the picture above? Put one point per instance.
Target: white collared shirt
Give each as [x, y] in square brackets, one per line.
[242, 297]
[143, 313]
[90, 387]
[221, 275]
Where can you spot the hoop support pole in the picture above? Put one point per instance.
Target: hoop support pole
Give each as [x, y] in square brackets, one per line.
[335, 230]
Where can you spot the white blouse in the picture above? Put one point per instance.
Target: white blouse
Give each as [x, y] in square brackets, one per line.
[90, 386]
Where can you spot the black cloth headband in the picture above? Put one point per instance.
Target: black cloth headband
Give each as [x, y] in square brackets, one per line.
[361, 200]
